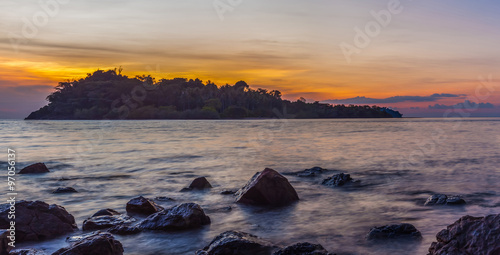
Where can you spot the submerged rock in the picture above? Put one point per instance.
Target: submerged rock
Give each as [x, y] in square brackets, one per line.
[397, 231]
[267, 188]
[37, 168]
[441, 199]
[311, 172]
[338, 180]
[101, 243]
[65, 190]
[106, 221]
[164, 199]
[200, 183]
[4, 242]
[180, 217]
[37, 220]
[469, 235]
[142, 205]
[302, 249]
[227, 192]
[108, 211]
[235, 242]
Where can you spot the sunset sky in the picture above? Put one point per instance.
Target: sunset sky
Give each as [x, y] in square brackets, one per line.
[425, 59]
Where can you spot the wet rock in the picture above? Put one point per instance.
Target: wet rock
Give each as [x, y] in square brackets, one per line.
[108, 211]
[311, 172]
[37, 220]
[338, 180]
[469, 235]
[27, 252]
[65, 190]
[4, 242]
[124, 230]
[441, 199]
[164, 199]
[267, 188]
[235, 242]
[183, 216]
[397, 231]
[101, 243]
[227, 192]
[141, 205]
[106, 221]
[200, 183]
[302, 249]
[37, 168]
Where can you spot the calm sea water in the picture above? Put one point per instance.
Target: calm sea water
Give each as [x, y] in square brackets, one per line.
[400, 163]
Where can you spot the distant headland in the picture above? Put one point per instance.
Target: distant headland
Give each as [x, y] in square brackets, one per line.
[111, 95]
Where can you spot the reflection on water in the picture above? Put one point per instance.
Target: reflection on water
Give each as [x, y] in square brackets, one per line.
[399, 162]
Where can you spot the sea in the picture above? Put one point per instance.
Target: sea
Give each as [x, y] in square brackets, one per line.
[399, 163]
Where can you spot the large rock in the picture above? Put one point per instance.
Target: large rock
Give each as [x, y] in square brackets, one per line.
[267, 188]
[37, 220]
[183, 216]
[397, 231]
[141, 205]
[37, 168]
[469, 235]
[100, 243]
[4, 242]
[237, 243]
[441, 199]
[106, 221]
[338, 180]
[303, 249]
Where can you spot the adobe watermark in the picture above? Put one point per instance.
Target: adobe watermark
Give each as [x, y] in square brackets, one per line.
[224, 6]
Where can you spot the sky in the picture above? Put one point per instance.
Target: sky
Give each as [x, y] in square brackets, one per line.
[423, 58]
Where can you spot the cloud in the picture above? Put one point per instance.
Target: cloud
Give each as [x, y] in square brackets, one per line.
[465, 105]
[394, 99]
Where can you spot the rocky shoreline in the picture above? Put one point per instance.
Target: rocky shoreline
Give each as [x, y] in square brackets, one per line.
[38, 221]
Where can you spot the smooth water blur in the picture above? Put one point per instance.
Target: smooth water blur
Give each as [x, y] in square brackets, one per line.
[399, 161]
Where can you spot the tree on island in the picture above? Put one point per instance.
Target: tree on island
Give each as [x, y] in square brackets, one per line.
[111, 95]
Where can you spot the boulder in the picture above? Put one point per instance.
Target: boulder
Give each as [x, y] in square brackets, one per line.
[37, 168]
[441, 199]
[27, 252]
[183, 216]
[200, 183]
[101, 243]
[141, 205]
[397, 231]
[108, 211]
[469, 235]
[267, 188]
[338, 180]
[311, 172]
[106, 221]
[302, 249]
[65, 190]
[4, 242]
[37, 220]
[235, 242]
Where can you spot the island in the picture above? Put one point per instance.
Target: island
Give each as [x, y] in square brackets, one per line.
[111, 95]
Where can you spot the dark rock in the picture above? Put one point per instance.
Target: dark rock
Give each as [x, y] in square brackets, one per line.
[397, 231]
[267, 188]
[27, 252]
[4, 242]
[36, 220]
[302, 249]
[106, 221]
[311, 172]
[65, 190]
[200, 183]
[164, 199]
[183, 216]
[101, 243]
[227, 192]
[469, 235]
[142, 205]
[37, 168]
[338, 180]
[124, 230]
[108, 211]
[441, 199]
[237, 243]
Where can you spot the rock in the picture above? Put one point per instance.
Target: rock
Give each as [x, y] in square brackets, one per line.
[108, 211]
[267, 188]
[27, 252]
[101, 243]
[338, 180]
[302, 249]
[237, 243]
[4, 242]
[164, 199]
[441, 199]
[200, 183]
[37, 220]
[397, 231]
[37, 168]
[106, 221]
[183, 216]
[124, 230]
[142, 205]
[65, 190]
[469, 235]
[227, 192]
[311, 172]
